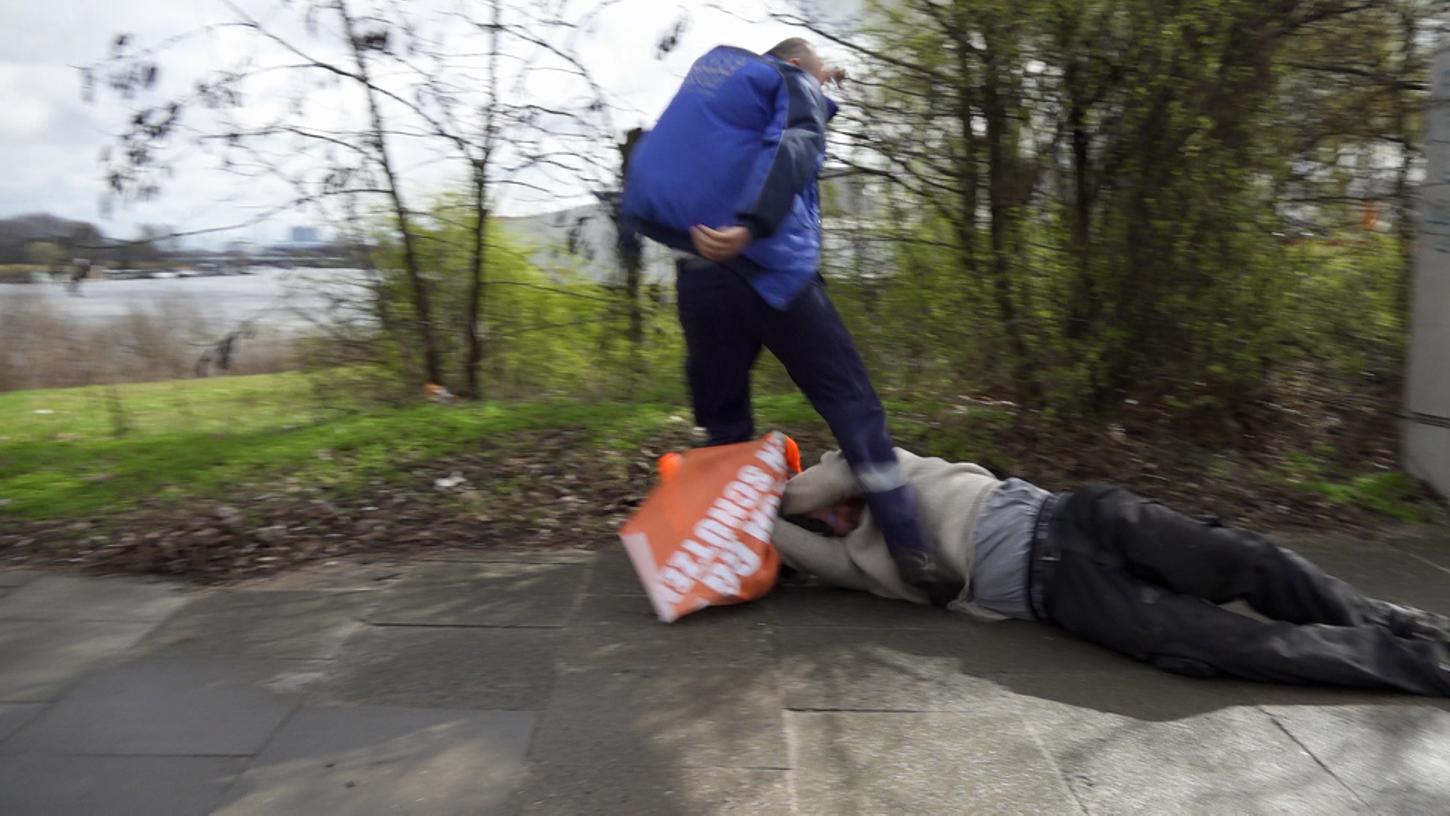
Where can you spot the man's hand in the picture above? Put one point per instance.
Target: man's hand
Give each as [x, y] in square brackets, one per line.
[834, 74]
[720, 245]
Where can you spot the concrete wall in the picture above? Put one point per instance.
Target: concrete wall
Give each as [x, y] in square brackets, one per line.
[1427, 397]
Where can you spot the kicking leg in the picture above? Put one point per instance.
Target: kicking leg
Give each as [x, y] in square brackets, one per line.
[817, 351]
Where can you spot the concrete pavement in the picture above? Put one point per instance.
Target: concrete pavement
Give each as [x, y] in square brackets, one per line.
[539, 683]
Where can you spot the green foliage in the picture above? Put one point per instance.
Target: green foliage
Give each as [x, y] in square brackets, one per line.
[1091, 201]
[543, 332]
[1072, 204]
[1390, 493]
[1342, 308]
[46, 254]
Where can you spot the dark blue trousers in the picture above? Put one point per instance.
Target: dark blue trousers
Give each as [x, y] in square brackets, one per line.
[726, 324]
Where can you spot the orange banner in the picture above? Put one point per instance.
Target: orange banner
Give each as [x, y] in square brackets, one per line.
[702, 537]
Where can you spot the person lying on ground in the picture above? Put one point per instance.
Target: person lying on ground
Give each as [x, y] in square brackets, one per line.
[1121, 571]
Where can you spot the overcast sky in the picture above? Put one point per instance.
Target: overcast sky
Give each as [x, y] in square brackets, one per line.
[52, 139]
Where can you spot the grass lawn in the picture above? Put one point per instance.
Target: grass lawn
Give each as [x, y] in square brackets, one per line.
[78, 453]
[61, 454]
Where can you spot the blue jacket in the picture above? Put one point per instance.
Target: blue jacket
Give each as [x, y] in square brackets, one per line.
[742, 143]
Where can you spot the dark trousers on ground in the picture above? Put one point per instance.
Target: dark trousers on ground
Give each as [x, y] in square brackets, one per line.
[1132, 575]
[726, 324]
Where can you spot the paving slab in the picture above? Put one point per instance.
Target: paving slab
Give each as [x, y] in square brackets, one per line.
[39, 659]
[341, 575]
[15, 715]
[1392, 750]
[509, 555]
[810, 701]
[841, 668]
[269, 624]
[174, 706]
[1382, 571]
[1132, 690]
[652, 791]
[1429, 543]
[680, 717]
[936, 762]
[613, 574]
[14, 578]
[366, 761]
[1024, 647]
[490, 594]
[38, 785]
[973, 647]
[443, 667]
[636, 612]
[1144, 742]
[622, 630]
[697, 647]
[78, 598]
[815, 607]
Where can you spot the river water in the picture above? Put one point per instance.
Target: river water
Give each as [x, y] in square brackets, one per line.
[286, 299]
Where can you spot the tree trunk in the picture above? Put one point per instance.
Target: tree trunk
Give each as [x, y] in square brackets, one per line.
[999, 162]
[966, 169]
[1081, 310]
[1084, 307]
[422, 307]
[631, 258]
[473, 329]
[473, 313]
[967, 180]
[1404, 196]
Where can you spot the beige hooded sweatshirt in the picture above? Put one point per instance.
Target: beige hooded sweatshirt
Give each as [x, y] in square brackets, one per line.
[951, 496]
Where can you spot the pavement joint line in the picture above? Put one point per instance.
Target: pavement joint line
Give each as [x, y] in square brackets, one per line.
[1315, 757]
[27, 722]
[1051, 760]
[1437, 565]
[252, 758]
[792, 751]
[528, 754]
[577, 602]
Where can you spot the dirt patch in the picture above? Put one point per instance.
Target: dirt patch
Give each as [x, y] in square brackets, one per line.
[540, 490]
[563, 489]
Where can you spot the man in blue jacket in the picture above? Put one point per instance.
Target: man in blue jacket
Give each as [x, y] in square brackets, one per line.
[729, 175]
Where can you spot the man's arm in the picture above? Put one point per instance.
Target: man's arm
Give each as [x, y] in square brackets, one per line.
[858, 561]
[833, 481]
[802, 122]
[825, 557]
